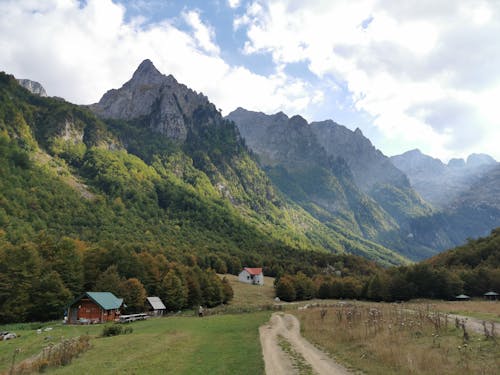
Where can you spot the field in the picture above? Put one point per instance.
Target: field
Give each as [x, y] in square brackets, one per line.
[384, 339]
[375, 338]
[216, 344]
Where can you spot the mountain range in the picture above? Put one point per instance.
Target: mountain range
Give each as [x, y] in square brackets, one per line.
[156, 164]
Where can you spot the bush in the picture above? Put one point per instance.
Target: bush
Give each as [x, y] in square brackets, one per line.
[113, 330]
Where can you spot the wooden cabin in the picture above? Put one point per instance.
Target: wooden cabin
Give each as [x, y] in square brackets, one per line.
[94, 307]
[251, 276]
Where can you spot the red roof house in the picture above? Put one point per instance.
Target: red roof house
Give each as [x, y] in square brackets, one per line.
[251, 276]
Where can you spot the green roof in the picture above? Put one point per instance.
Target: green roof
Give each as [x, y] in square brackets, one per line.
[107, 300]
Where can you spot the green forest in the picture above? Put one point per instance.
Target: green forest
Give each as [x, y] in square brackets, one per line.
[472, 269]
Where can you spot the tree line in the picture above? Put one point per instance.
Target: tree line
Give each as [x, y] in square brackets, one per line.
[39, 279]
[472, 269]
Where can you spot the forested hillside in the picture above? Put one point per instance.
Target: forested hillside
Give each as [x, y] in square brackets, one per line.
[473, 269]
[82, 199]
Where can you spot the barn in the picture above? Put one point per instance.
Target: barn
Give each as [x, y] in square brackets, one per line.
[94, 307]
[155, 306]
[251, 276]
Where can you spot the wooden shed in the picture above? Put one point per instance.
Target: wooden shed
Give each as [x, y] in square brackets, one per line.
[155, 306]
[94, 307]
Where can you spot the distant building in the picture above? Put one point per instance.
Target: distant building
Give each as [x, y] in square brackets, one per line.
[462, 297]
[155, 306]
[251, 276]
[94, 307]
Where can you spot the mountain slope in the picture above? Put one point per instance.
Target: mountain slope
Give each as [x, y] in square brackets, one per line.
[177, 177]
[306, 163]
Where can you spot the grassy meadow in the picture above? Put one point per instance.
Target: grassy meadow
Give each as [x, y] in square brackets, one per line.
[385, 339]
[220, 343]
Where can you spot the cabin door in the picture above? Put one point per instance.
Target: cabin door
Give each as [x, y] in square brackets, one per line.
[73, 315]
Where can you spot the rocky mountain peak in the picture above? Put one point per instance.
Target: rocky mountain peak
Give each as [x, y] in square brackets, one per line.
[155, 99]
[476, 160]
[32, 86]
[298, 121]
[147, 73]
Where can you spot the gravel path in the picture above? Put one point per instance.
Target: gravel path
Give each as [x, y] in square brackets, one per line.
[278, 362]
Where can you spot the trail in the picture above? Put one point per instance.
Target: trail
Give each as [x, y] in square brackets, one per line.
[475, 324]
[278, 362]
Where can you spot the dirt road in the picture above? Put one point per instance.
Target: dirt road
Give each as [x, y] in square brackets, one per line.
[283, 330]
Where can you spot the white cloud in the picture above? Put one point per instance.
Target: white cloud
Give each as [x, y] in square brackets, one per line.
[80, 50]
[203, 34]
[423, 70]
[234, 3]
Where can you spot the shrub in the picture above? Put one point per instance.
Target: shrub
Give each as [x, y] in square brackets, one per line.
[113, 330]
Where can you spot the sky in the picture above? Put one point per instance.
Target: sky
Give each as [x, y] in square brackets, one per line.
[410, 74]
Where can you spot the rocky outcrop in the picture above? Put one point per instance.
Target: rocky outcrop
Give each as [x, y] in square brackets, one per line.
[159, 101]
[33, 87]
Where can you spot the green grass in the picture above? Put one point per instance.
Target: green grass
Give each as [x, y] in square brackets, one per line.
[220, 344]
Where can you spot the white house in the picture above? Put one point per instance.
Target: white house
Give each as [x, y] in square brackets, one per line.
[251, 276]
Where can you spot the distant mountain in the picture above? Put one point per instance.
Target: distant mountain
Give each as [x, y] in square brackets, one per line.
[321, 166]
[439, 183]
[466, 194]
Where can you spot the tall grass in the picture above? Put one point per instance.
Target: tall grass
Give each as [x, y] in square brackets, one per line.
[392, 339]
[60, 354]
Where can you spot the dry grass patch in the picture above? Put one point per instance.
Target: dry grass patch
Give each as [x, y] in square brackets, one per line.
[391, 339]
[248, 296]
[486, 310]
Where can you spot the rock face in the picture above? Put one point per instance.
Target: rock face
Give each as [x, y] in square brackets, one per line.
[440, 183]
[158, 100]
[368, 165]
[32, 86]
[278, 139]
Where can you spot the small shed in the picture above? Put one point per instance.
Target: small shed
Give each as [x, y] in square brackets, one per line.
[94, 307]
[462, 297]
[492, 296]
[251, 276]
[155, 306]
